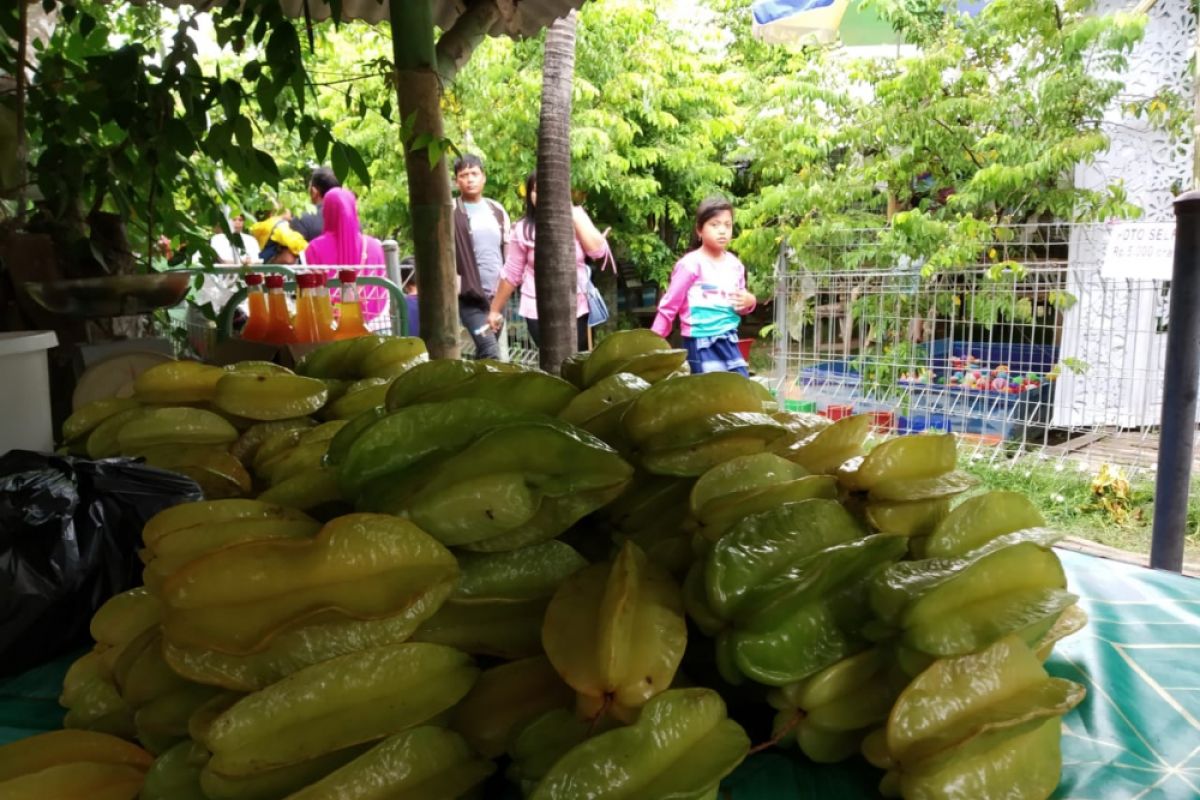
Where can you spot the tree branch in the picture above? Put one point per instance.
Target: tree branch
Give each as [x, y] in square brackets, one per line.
[966, 149]
[455, 46]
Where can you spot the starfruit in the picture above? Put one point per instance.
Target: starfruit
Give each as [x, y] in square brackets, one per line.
[269, 397]
[408, 436]
[92, 700]
[246, 446]
[505, 699]
[1023, 762]
[688, 399]
[742, 477]
[499, 482]
[424, 381]
[946, 607]
[36, 753]
[425, 763]
[506, 630]
[394, 355]
[147, 676]
[179, 548]
[978, 520]
[615, 632]
[614, 391]
[525, 574]
[637, 352]
[85, 418]
[339, 359]
[81, 780]
[959, 709]
[363, 565]
[694, 446]
[720, 513]
[168, 714]
[281, 782]
[306, 490]
[175, 775]
[171, 426]
[339, 445]
[790, 585]
[360, 396]
[830, 713]
[915, 519]
[681, 746]
[345, 701]
[206, 714]
[173, 382]
[531, 391]
[125, 616]
[102, 441]
[827, 449]
[541, 743]
[259, 367]
[212, 512]
[217, 472]
[903, 458]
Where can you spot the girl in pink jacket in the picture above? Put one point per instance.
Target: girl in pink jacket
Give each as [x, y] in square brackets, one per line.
[708, 294]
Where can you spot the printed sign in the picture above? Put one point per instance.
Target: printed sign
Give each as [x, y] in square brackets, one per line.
[1141, 251]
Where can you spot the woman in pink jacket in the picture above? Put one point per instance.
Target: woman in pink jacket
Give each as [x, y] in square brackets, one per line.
[518, 267]
[342, 244]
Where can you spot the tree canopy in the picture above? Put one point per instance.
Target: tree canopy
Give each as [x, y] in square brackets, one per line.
[982, 122]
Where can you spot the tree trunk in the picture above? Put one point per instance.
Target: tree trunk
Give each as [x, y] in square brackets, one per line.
[554, 256]
[419, 92]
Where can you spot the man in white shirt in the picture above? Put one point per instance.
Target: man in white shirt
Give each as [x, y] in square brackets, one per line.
[225, 248]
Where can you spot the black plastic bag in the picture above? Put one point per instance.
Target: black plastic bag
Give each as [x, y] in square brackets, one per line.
[70, 530]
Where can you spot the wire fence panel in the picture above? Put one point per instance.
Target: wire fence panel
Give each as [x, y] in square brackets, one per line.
[1032, 348]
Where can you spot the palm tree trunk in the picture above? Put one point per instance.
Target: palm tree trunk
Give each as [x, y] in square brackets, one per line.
[554, 256]
[419, 93]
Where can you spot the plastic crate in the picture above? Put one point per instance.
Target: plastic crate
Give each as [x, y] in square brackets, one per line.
[830, 383]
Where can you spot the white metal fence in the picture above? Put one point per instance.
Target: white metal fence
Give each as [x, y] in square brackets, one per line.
[1031, 348]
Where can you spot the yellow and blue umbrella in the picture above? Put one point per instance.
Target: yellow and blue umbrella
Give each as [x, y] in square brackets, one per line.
[829, 21]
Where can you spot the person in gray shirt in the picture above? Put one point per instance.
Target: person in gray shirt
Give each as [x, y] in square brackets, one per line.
[481, 228]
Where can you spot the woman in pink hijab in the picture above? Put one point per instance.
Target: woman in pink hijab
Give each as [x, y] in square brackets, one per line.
[343, 245]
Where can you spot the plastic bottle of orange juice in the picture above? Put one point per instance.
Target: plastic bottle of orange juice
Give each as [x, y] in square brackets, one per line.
[280, 329]
[350, 317]
[324, 308]
[306, 325]
[259, 321]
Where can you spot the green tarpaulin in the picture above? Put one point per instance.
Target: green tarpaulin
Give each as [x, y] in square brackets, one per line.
[1137, 735]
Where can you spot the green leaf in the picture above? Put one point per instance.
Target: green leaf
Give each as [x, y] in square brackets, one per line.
[341, 161]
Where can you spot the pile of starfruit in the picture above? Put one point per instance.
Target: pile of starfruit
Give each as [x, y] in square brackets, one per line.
[464, 579]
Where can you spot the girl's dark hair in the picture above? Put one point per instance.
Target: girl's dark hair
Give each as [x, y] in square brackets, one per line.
[709, 207]
[529, 225]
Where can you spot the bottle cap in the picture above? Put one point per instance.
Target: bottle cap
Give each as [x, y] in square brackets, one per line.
[274, 281]
[348, 275]
[253, 279]
[306, 280]
[320, 279]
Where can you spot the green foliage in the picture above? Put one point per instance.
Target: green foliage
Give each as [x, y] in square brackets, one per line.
[122, 117]
[654, 117]
[983, 126]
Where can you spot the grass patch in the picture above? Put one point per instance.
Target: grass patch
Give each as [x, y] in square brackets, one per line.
[1096, 505]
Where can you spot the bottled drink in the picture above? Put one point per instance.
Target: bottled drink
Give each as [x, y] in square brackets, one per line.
[280, 329]
[350, 316]
[306, 326]
[324, 308]
[259, 321]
